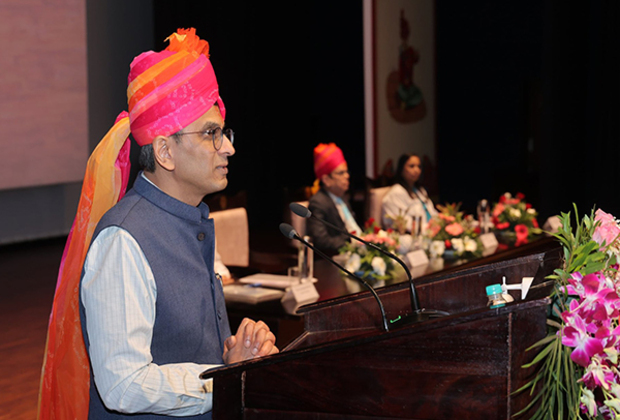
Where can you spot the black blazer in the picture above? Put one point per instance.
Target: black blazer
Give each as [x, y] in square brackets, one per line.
[325, 238]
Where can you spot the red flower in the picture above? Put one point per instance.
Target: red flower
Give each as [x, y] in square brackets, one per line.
[448, 244]
[528, 206]
[390, 230]
[502, 199]
[535, 223]
[520, 196]
[377, 229]
[477, 230]
[521, 231]
[501, 226]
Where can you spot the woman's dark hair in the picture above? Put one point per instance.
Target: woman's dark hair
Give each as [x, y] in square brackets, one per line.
[402, 161]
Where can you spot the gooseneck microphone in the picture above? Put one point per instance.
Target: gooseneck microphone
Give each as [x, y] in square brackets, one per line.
[288, 231]
[418, 312]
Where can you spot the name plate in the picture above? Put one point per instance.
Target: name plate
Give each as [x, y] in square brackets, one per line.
[488, 240]
[552, 225]
[417, 258]
[299, 295]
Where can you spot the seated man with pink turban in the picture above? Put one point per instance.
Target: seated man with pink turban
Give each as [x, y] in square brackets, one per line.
[330, 203]
[152, 308]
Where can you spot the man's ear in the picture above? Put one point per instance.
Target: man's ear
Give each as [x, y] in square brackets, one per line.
[326, 180]
[163, 152]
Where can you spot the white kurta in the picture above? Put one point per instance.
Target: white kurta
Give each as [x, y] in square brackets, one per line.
[398, 201]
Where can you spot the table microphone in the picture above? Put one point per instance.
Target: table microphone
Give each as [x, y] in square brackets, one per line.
[418, 313]
[288, 231]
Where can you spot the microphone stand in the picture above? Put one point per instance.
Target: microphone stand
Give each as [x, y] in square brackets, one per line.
[419, 314]
[288, 231]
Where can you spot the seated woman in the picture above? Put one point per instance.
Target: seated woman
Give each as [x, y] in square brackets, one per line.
[407, 197]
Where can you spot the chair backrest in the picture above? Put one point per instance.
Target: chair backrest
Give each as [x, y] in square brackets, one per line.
[375, 197]
[232, 236]
[299, 223]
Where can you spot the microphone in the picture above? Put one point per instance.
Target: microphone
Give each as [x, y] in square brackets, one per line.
[288, 231]
[418, 313]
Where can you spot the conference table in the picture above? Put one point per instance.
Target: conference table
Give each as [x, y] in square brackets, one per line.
[332, 284]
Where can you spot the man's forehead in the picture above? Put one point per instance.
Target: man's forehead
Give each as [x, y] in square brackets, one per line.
[212, 117]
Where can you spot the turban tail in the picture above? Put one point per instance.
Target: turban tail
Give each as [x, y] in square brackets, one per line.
[65, 378]
[327, 157]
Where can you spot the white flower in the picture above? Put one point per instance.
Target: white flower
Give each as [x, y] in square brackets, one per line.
[458, 245]
[437, 248]
[587, 398]
[353, 263]
[515, 213]
[531, 211]
[470, 244]
[614, 404]
[378, 266]
[382, 234]
[507, 195]
[405, 242]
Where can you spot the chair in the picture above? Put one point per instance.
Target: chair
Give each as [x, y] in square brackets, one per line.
[232, 236]
[375, 198]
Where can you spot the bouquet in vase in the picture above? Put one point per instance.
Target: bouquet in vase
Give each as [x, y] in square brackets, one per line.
[367, 262]
[514, 220]
[452, 233]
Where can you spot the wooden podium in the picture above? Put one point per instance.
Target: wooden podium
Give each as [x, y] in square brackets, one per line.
[462, 366]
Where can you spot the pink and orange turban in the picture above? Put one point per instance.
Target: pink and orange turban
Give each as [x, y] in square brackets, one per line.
[169, 90]
[327, 157]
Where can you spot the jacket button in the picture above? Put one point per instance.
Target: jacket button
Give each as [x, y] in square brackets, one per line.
[219, 315]
[201, 236]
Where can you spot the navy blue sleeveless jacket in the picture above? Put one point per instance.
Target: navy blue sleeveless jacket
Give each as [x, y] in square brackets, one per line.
[178, 241]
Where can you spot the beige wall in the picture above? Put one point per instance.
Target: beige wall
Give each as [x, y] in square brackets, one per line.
[43, 106]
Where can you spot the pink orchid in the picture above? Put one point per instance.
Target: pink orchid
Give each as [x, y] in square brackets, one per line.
[586, 346]
[598, 300]
[454, 229]
[598, 374]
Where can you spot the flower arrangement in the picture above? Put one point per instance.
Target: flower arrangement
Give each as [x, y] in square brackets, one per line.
[366, 261]
[578, 373]
[452, 231]
[515, 220]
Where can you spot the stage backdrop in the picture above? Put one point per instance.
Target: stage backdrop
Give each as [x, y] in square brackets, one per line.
[403, 83]
[43, 106]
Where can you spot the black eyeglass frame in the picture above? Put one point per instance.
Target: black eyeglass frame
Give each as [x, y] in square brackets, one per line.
[213, 132]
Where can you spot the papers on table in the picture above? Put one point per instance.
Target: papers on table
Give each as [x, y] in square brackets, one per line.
[275, 281]
[249, 294]
[263, 287]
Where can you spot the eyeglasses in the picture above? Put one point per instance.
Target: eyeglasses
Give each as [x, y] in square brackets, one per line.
[340, 173]
[217, 136]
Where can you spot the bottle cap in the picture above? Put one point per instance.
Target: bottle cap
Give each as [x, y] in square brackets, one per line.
[494, 289]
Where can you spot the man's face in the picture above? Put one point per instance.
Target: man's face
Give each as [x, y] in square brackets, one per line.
[199, 168]
[337, 182]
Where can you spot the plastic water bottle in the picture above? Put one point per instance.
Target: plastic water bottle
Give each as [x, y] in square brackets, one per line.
[494, 293]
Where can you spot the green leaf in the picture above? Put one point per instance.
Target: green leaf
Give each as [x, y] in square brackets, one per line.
[542, 342]
[540, 355]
